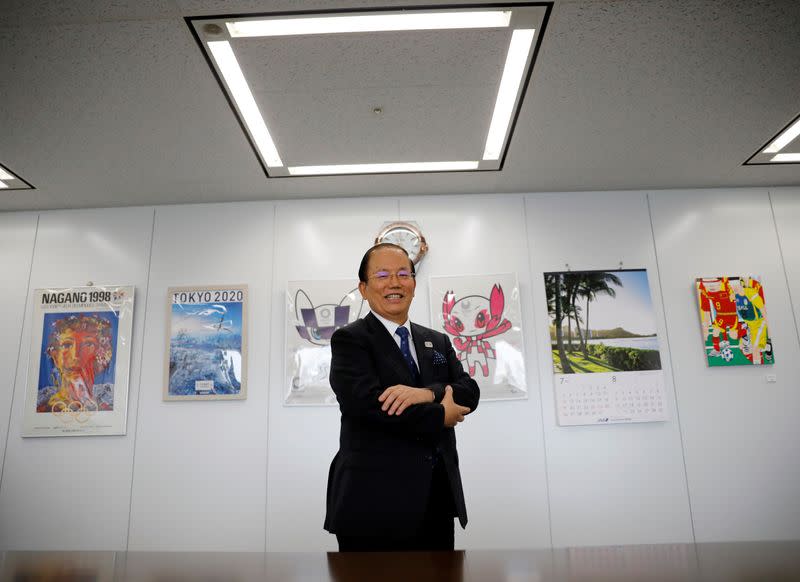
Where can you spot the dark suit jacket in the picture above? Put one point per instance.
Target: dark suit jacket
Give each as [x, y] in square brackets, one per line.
[380, 479]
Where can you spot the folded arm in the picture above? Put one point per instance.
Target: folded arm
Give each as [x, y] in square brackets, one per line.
[356, 382]
[465, 390]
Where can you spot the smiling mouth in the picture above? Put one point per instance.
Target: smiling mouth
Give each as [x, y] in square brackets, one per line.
[393, 296]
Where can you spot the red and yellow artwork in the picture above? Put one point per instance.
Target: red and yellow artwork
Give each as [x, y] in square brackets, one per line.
[733, 318]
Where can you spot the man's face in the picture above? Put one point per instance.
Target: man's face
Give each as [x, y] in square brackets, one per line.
[75, 351]
[389, 296]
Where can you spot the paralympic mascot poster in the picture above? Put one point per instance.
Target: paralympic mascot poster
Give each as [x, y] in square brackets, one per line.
[482, 316]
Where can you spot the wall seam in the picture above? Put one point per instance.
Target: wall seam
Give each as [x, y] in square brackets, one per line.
[271, 290]
[541, 385]
[139, 391]
[783, 264]
[19, 351]
[671, 368]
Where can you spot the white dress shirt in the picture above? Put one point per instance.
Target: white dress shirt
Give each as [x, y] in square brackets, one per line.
[391, 327]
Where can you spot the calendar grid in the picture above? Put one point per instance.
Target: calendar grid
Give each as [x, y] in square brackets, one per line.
[610, 398]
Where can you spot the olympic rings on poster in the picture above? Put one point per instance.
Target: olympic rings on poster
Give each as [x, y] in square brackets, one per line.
[74, 411]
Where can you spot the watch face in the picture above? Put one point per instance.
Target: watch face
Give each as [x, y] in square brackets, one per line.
[407, 237]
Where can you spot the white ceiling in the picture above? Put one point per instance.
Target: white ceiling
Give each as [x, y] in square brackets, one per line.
[113, 104]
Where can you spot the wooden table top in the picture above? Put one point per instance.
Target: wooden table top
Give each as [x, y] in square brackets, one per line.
[743, 561]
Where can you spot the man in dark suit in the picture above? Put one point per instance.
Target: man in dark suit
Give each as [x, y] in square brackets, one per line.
[395, 482]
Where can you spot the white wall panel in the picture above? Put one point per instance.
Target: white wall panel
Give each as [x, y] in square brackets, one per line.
[740, 432]
[74, 493]
[501, 447]
[249, 475]
[200, 466]
[786, 210]
[17, 236]
[314, 239]
[613, 484]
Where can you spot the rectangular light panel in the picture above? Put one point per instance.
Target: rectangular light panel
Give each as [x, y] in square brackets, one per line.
[369, 23]
[390, 168]
[507, 94]
[220, 33]
[229, 66]
[786, 158]
[784, 139]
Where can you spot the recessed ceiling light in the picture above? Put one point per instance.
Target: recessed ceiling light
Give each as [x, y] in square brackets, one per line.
[388, 168]
[507, 94]
[785, 142]
[368, 23]
[786, 158]
[10, 181]
[238, 86]
[222, 37]
[784, 138]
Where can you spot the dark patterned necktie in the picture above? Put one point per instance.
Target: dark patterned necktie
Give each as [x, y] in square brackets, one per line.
[405, 348]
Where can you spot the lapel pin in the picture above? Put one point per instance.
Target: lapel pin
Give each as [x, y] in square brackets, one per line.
[428, 344]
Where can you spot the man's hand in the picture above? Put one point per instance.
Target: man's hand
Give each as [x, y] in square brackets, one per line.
[399, 397]
[453, 413]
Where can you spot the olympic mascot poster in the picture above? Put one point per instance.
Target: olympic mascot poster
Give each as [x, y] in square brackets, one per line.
[314, 310]
[80, 361]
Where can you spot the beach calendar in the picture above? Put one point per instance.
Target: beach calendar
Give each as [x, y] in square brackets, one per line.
[605, 348]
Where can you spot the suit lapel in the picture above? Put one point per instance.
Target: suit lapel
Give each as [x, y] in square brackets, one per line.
[387, 347]
[424, 353]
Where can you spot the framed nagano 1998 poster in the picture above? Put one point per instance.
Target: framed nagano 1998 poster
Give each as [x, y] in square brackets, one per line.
[79, 361]
[206, 343]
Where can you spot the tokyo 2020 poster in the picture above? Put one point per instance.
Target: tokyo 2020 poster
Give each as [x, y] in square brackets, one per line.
[206, 343]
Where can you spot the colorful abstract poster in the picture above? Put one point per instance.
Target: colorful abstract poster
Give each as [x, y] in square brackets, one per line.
[605, 349]
[80, 361]
[733, 319]
[482, 316]
[314, 310]
[206, 343]
[601, 321]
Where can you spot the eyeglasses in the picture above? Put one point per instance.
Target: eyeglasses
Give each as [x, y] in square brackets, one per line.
[402, 275]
